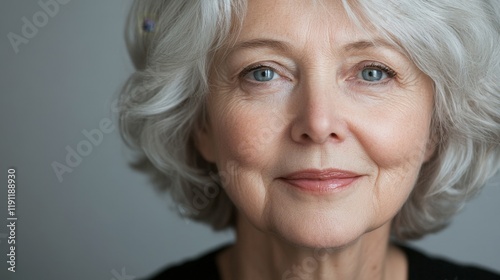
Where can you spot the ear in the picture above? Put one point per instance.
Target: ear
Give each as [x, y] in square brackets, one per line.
[203, 142]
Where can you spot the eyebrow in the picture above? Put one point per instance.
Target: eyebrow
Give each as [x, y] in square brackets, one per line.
[261, 43]
[362, 45]
[285, 47]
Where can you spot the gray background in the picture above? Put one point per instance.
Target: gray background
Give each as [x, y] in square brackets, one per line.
[105, 221]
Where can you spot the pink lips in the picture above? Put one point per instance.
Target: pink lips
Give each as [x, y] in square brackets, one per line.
[326, 180]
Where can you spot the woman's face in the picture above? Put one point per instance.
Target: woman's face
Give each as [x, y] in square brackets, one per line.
[318, 133]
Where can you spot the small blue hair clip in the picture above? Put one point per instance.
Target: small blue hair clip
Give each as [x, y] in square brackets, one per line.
[148, 25]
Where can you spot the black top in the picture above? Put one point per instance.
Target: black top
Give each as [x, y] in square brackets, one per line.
[420, 267]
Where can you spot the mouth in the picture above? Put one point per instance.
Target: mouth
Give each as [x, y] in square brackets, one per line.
[321, 181]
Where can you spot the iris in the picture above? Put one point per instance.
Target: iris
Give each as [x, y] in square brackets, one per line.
[372, 74]
[263, 75]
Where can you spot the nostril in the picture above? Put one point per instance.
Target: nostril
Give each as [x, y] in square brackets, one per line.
[309, 129]
[306, 136]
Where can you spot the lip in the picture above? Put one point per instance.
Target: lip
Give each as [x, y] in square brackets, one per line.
[321, 181]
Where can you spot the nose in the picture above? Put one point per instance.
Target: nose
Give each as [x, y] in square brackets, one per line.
[318, 117]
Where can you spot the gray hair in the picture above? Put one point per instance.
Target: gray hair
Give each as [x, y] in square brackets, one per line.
[454, 42]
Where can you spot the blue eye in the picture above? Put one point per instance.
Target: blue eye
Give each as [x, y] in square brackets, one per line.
[263, 74]
[373, 74]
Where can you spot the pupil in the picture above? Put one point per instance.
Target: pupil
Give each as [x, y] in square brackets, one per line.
[372, 74]
[264, 75]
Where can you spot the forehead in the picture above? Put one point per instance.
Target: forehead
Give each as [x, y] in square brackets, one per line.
[299, 21]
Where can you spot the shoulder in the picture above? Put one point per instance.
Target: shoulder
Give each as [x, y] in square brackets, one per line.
[421, 266]
[203, 267]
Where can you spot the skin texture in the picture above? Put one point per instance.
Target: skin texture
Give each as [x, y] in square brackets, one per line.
[316, 112]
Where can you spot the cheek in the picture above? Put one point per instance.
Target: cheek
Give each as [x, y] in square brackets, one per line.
[246, 150]
[396, 137]
[396, 142]
[247, 134]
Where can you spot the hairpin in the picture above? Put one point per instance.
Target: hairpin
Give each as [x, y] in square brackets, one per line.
[148, 25]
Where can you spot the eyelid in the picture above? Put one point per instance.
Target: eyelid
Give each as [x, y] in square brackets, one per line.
[388, 70]
[279, 70]
[253, 67]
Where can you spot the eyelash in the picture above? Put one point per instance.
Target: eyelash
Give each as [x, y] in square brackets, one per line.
[251, 68]
[389, 71]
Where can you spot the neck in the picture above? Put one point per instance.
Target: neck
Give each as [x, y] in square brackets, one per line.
[259, 255]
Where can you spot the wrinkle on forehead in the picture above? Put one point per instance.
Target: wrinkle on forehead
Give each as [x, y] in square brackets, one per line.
[334, 30]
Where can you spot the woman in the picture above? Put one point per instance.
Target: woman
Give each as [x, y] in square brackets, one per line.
[317, 129]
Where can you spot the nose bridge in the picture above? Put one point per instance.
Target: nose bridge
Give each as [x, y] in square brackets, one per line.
[317, 97]
[320, 86]
[318, 119]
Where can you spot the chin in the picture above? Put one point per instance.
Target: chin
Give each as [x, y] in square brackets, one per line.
[319, 231]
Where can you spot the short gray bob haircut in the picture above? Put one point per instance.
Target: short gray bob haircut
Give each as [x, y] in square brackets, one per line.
[454, 42]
